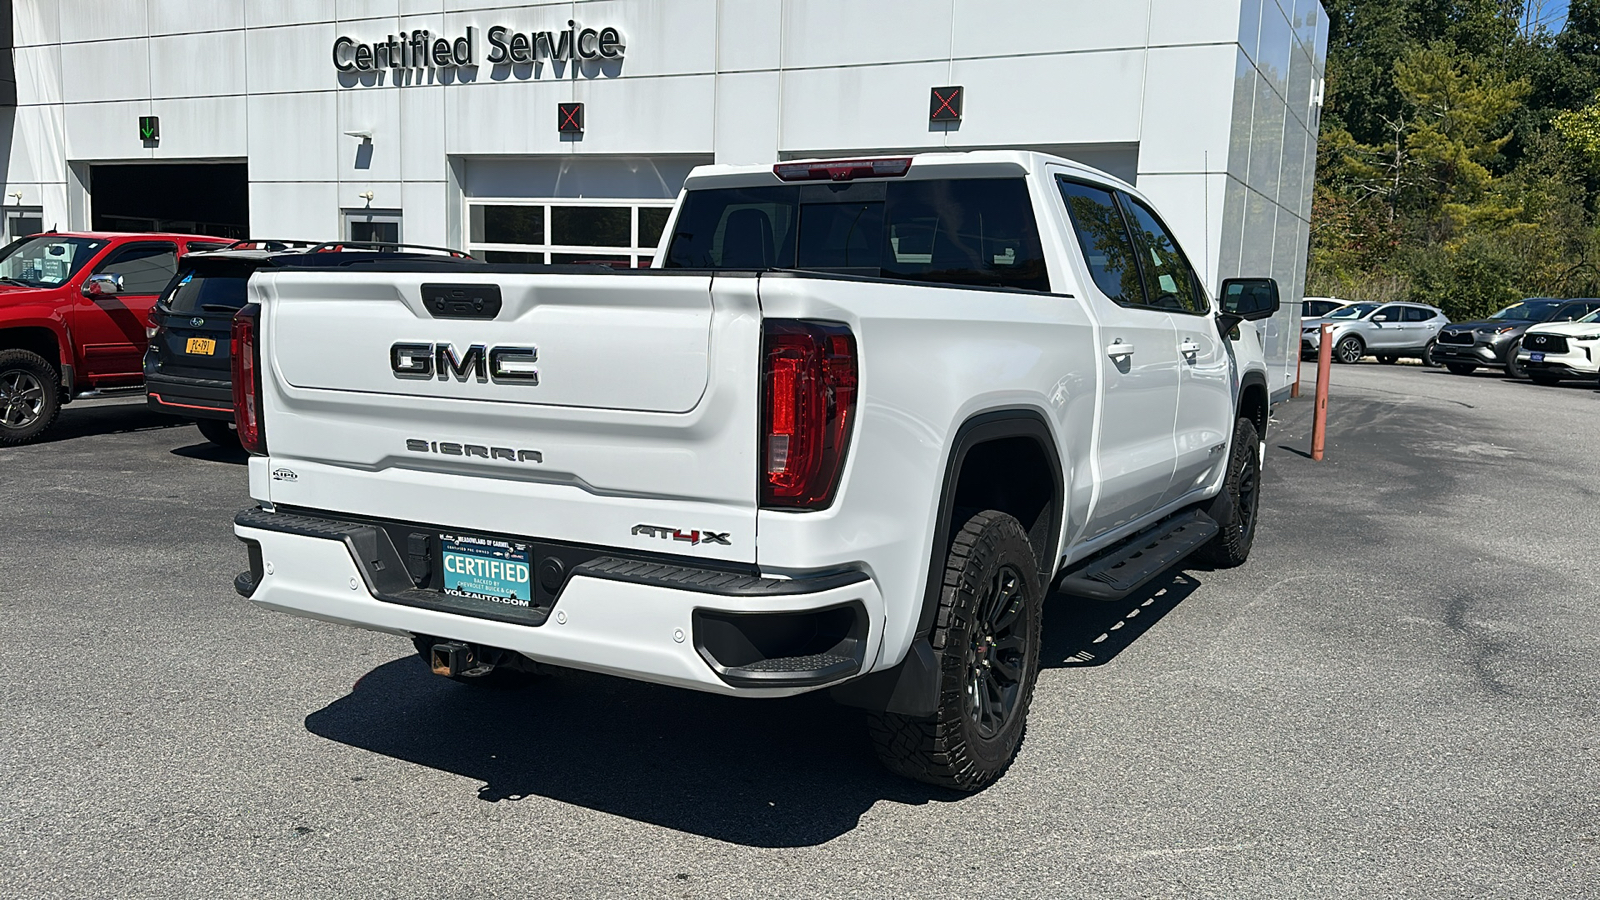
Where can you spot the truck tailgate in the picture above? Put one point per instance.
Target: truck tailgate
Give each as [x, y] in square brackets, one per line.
[623, 427]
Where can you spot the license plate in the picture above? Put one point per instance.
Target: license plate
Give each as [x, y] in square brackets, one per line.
[201, 346]
[1536, 357]
[487, 569]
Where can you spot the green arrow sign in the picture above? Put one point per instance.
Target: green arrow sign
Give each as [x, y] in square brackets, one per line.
[149, 128]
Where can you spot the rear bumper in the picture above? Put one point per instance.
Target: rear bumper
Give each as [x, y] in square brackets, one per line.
[195, 397]
[663, 623]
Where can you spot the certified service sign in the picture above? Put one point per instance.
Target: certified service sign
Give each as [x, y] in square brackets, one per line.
[422, 49]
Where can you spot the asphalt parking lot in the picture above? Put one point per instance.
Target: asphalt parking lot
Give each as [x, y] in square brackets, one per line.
[1398, 696]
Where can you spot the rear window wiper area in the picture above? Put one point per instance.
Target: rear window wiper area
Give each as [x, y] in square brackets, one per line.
[219, 308]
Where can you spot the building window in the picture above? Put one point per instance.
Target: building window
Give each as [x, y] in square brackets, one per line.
[620, 233]
[376, 226]
[22, 221]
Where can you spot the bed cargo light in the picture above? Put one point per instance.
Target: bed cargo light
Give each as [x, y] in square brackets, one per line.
[809, 399]
[842, 169]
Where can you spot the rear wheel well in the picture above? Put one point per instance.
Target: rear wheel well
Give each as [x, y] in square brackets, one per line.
[1015, 476]
[34, 339]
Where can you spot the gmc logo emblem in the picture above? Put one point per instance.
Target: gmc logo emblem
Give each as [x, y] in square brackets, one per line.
[513, 364]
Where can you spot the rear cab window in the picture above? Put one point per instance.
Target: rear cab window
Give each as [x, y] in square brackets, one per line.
[972, 232]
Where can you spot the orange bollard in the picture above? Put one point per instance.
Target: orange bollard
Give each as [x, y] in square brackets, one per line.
[1319, 426]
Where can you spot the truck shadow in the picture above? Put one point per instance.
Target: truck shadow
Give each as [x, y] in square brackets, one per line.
[795, 772]
[209, 452]
[1080, 632]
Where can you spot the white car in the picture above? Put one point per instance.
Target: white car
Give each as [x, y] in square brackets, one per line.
[1317, 307]
[863, 416]
[1562, 350]
[1388, 331]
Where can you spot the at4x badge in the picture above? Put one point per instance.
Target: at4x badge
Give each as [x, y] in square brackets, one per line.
[678, 534]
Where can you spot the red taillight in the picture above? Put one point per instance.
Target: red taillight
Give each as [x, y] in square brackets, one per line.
[842, 169]
[808, 405]
[247, 380]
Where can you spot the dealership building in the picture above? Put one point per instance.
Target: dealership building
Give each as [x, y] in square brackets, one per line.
[562, 131]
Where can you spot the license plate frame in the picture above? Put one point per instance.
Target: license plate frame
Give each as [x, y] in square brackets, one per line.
[200, 346]
[495, 570]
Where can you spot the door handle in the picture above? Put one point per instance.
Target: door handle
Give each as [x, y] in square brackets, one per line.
[1119, 350]
[1189, 348]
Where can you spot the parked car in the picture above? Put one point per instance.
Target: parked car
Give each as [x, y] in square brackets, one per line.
[846, 436]
[1495, 342]
[1556, 351]
[74, 309]
[188, 363]
[1317, 307]
[1388, 331]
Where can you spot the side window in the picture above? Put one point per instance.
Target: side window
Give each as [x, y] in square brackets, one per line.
[1103, 235]
[1417, 314]
[145, 268]
[1169, 281]
[1387, 314]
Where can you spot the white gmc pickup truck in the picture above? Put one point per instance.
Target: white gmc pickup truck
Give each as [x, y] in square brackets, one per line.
[855, 424]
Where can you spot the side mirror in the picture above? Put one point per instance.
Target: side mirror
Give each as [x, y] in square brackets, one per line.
[102, 285]
[1250, 299]
[1247, 299]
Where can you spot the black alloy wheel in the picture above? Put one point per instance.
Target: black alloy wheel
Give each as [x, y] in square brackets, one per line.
[1350, 349]
[987, 633]
[29, 397]
[1238, 507]
[1427, 356]
[1514, 368]
[996, 654]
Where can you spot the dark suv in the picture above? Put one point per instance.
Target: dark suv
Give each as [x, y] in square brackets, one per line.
[1464, 347]
[188, 366]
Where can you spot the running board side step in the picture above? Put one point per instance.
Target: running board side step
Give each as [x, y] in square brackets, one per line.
[1126, 568]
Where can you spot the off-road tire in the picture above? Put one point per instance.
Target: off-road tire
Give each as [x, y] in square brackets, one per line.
[501, 678]
[1350, 349]
[1238, 507]
[30, 396]
[1544, 378]
[990, 579]
[1461, 368]
[1514, 367]
[218, 432]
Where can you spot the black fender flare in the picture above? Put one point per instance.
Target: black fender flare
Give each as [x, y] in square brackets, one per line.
[912, 687]
[1254, 379]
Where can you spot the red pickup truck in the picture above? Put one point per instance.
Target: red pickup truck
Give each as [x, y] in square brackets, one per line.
[74, 307]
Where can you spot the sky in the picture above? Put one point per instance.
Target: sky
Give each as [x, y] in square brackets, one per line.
[1552, 12]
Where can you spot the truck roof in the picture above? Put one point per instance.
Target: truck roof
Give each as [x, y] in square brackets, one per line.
[971, 163]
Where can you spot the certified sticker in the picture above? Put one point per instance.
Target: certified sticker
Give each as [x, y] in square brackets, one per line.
[487, 569]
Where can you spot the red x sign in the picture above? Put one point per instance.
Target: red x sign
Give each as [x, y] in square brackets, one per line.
[569, 118]
[946, 105]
